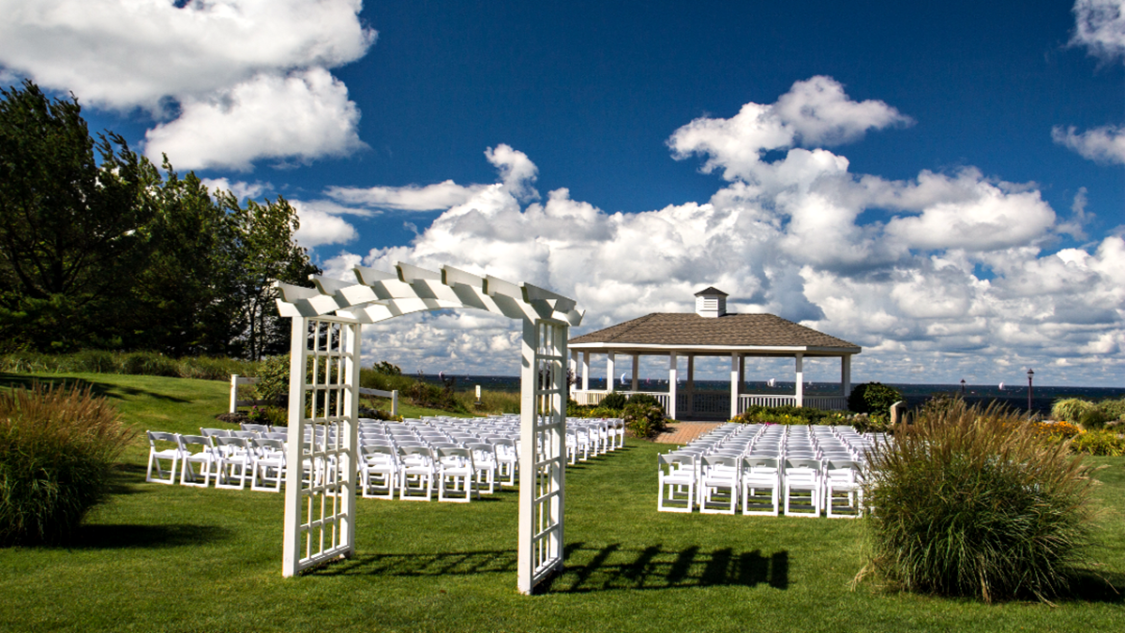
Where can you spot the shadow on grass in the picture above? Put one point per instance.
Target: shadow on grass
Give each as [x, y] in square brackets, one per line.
[116, 392]
[610, 567]
[146, 536]
[590, 569]
[1096, 586]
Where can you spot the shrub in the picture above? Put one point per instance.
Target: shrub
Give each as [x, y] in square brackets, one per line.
[273, 380]
[873, 397]
[57, 450]
[604, 412]
[1103, 443]
[646, 399]
[149, 364]
[614, 400]
[644, 420]
[1086, 413]
[1113, 410]
[971, 502]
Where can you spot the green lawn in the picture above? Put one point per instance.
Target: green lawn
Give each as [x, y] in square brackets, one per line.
[171, 558]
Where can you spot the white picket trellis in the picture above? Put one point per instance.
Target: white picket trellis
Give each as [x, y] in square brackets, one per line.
[324, 403]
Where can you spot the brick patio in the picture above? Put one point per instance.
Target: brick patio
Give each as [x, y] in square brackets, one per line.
[684, 432]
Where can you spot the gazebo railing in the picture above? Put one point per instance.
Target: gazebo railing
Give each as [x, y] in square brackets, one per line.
[828, 403]
[717, 403]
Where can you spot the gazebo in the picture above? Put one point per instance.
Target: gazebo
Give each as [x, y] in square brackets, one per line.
[711, 331]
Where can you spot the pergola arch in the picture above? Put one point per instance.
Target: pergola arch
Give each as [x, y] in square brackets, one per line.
[324, 402]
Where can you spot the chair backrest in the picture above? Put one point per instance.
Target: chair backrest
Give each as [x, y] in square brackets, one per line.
[249, 435]
[214, 432]
[674, 459]
[257, 428]
[720, 460]
[753, 462]
[161, 436]
[416, 450]
[271, 444]
[193, 440]
[791, 464]
[236, 442]
[841, 464]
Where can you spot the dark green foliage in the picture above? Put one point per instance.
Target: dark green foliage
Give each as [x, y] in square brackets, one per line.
[73, 218]
[972, 502]
[873, 397]
[104, 362]
[385, 368]
[98, 250]
[614, 400]
[645, 399]
[644, 420]
[273, 380]
[57, 450]
[385, 377]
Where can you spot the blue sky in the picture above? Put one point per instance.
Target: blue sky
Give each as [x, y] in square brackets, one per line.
[941, 184]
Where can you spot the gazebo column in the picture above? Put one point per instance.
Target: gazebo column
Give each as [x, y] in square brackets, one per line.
[585, 371]
[735, 382]
[800, 380]
[610, 372]
[636, 370]
[690, 388]
[846, 375]
[672, 386]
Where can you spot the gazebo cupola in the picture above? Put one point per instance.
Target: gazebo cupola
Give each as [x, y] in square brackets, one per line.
[711, 302]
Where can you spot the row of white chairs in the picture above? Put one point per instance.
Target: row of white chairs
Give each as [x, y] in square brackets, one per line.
[457, 457]
[764, 468]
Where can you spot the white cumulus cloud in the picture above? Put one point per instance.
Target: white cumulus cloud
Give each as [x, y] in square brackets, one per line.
[302, 116]
[951, 276]
[1100, 27]
[213, 64]
[1104, 144]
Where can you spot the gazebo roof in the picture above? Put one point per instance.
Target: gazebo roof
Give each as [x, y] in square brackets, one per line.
[761, 333]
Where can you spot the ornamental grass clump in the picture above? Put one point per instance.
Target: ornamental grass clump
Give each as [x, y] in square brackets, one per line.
[57, 450]
[974, 502]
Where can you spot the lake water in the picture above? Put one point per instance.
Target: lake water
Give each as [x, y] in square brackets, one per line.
[1014, 396]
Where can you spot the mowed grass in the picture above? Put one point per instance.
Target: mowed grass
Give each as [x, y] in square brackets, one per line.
[169, 558]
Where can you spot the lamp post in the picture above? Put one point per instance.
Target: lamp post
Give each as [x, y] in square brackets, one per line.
[1030, 374]
[962, 387]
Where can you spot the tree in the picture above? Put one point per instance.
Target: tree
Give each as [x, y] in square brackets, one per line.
[97, 249]
[73, 214]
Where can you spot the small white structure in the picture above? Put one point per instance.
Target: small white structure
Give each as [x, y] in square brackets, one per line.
[711, 331]
[324, 403]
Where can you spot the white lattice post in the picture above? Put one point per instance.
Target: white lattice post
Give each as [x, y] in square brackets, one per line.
[542, 460]
[321, 456]
[298, 359]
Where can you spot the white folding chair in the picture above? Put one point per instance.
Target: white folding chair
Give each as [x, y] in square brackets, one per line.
[455, 469]
[802, 476]
[379, 471]
[484, 465]
[268, 465]
[843, 478]
[677, 483]
[162, 447]
[718, 484]
[235, 462]
[760, 480]
[507, 461]
[416, 478]
[196, 449]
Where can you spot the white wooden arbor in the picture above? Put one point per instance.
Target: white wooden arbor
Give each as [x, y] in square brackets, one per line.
[324, 404]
